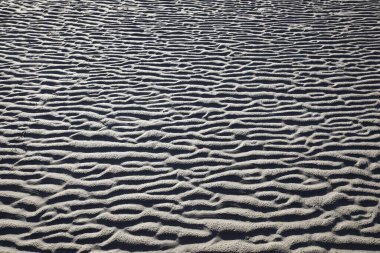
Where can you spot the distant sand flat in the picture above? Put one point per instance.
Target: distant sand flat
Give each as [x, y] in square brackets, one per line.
[189, 126]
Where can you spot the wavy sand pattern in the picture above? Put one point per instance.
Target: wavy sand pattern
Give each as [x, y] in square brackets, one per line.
[189, 126]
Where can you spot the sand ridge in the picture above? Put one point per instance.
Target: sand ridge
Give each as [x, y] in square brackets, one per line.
[189, 126]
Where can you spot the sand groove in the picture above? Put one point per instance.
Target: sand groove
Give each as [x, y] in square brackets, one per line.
[189, 126]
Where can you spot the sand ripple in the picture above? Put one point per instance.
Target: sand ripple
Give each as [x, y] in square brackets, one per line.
[189, 126]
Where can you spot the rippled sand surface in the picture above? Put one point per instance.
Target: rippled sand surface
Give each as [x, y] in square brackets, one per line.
[189, 126]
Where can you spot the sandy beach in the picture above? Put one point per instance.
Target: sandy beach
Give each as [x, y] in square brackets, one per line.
[189, 126]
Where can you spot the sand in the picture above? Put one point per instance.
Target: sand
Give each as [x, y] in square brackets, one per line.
[189, 126]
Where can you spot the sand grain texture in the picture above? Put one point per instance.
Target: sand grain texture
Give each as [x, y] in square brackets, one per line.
[189, 126]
